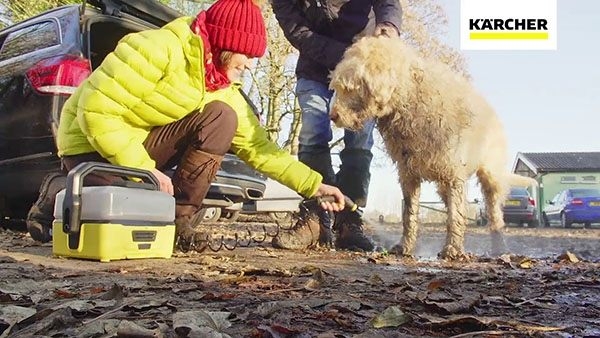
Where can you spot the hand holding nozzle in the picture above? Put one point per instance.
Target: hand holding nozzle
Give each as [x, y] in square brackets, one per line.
[336, 198]
[348, 203]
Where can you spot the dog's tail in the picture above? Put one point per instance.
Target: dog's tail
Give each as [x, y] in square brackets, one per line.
[521, 181]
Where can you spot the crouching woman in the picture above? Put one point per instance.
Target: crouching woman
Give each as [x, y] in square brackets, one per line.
[168, 97]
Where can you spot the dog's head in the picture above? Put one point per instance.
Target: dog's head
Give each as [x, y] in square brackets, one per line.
[364, 82]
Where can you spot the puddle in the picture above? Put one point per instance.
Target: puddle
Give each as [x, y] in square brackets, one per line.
[537, 243]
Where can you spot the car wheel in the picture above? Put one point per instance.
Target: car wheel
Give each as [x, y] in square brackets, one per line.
[211, 214]
[563, 221]
[534, 224]
[230, 216]
[281, 216]
[587, 225]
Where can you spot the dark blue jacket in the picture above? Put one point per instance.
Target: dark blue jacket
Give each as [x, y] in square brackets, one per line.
[322, 29]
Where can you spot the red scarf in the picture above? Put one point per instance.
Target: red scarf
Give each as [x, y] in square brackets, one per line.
[213, 77]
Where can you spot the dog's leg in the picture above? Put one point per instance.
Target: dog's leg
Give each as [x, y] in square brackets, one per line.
[454, 196]
[494, 193]
[411, 191]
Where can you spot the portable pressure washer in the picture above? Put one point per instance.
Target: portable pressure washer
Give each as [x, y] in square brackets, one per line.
[105, 223]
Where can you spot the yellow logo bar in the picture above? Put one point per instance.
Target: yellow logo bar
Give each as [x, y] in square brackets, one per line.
[508, 36]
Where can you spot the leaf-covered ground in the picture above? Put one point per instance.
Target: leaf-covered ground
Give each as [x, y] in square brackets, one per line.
[548, 287]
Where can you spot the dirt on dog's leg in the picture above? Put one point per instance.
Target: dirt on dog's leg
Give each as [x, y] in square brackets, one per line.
[494, 192]
[456, 222]
[498, 244]
[411, 190]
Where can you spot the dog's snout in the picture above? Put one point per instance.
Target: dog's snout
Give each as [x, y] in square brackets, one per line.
[333, 115]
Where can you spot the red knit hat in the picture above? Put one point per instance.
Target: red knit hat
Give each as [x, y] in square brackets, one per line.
[237, 26]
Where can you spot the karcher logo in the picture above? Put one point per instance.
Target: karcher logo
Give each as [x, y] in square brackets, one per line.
[527, 29]
[508, 24]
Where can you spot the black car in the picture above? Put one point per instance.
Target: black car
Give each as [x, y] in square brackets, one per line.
[42, 61]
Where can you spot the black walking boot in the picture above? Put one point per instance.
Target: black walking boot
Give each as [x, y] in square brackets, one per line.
[348, 227]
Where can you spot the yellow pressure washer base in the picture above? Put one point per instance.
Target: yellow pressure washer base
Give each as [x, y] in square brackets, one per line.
[108, 223]
[108, 242]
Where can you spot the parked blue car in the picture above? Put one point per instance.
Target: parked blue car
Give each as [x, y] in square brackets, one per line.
[575, 205]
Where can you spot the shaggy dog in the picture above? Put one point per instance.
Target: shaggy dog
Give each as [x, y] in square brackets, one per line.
[435, 126]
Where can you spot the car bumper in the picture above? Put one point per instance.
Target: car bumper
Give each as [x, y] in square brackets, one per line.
[235, 188]
[591, 216]
[519, 216]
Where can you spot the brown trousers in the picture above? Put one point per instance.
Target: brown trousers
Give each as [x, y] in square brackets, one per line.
[195, 144]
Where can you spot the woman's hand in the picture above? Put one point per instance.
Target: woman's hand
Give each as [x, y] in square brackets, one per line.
[329, 190]
[164, 181]
[386, 29]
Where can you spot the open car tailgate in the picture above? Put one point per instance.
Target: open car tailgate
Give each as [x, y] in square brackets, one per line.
[151, 11]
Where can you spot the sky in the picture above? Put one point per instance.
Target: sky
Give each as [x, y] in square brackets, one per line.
[548, 101]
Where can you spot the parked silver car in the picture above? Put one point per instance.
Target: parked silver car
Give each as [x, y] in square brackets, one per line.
[519, 208]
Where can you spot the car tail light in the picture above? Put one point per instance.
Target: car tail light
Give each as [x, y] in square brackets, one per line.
[531, 201]
[59, 75]
[576, 201]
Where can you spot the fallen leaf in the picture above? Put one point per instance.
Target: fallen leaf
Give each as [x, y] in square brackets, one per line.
[313, 284]
[464, 305]
[435, 284]
[391, 317]
[77, 305]
[277, 330]
[480, 323]
[146, 305]
[129, 329]
[209, 296]
[60, 319]
[97, 289]
[526, 263]
[201, 323]
[505, 258]
[116, 292]
[99, 328]
[376, 280]
[65, 294]
[569, 257]
[11, 314]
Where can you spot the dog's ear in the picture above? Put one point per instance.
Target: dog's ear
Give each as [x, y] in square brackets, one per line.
[344, 78]
[381, 88]
[377, 71]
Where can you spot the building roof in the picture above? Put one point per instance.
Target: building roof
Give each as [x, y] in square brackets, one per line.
[568, 161]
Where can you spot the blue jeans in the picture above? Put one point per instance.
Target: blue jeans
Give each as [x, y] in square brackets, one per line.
[354, 176]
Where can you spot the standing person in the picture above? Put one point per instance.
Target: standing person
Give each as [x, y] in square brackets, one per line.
[168, 97]
[321, 30]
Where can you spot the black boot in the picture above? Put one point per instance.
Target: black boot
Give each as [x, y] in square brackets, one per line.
[348, 227]
[40, 216]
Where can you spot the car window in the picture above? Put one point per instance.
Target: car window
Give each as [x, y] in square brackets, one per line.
[520, 192]
[563, 196]
[578, 193]
[557, 198]
[29, 39]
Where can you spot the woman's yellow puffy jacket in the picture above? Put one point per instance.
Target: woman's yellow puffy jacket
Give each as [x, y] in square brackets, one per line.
[153, 78]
